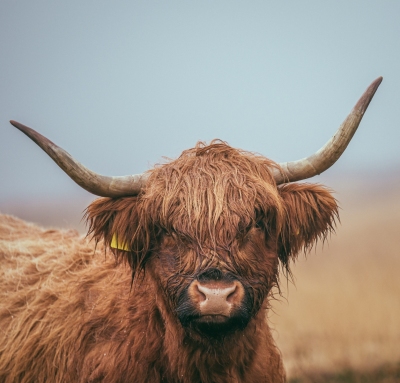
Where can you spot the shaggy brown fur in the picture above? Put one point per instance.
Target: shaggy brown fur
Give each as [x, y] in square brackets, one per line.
[70, 314]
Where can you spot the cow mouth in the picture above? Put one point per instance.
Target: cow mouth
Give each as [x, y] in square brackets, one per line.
[217, 318]
[215, 326]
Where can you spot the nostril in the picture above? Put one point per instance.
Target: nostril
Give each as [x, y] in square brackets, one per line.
[200, 294]
[231, 296]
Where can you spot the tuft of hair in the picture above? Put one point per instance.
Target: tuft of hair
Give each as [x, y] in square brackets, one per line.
[206, 197]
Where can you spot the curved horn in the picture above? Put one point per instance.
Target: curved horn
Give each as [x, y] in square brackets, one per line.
[332, 150]
[92, 182]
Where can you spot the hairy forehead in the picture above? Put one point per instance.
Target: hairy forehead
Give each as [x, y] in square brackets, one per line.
[209, 193]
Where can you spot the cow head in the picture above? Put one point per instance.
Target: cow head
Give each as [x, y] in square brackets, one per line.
[211, 227]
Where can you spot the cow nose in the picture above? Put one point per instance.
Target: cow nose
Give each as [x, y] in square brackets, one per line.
[214, 294]
[216, 297]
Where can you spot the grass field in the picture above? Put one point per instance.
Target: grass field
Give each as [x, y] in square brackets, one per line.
[383, 374]
[339, 321]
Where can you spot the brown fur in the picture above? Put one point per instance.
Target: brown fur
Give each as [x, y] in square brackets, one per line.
[72, 314]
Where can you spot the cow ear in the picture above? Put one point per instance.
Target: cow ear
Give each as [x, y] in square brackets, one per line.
[117, 223]
[310, 214]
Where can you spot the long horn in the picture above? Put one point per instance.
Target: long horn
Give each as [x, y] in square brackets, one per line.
[92, 182]
[325, 157]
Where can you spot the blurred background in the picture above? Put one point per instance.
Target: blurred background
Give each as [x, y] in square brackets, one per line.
[121, 84]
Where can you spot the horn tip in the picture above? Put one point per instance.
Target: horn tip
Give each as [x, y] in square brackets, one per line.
[366, 98]
[20, 126]
[374, 85]
[16, 124]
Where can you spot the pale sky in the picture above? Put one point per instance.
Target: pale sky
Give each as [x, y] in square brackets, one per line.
[120, 84]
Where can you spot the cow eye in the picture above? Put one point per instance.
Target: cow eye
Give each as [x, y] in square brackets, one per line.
[171, 237]
[167, 235]
[167, 232]
[259, 225]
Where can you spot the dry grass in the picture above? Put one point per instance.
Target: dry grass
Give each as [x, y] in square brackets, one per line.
[343, 314]
[383, 374]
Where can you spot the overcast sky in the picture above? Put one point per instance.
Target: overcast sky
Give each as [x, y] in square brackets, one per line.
[120, 84]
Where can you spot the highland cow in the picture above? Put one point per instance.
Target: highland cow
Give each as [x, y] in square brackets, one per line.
[198, 243]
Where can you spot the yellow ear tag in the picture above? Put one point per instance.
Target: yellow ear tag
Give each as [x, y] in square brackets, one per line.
[115, 244]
